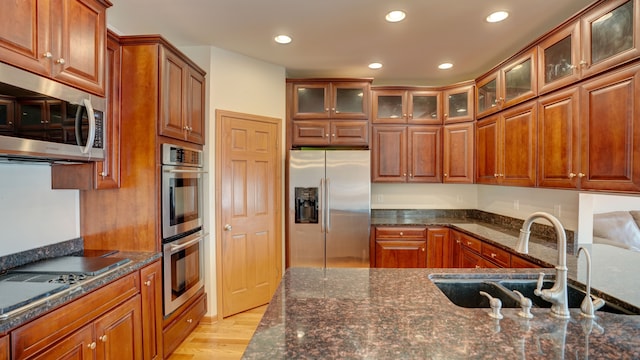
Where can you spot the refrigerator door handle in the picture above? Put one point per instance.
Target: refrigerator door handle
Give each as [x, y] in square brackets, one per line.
[322, 205]
[328, 207]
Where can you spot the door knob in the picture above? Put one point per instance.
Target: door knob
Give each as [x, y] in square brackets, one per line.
[227, 227]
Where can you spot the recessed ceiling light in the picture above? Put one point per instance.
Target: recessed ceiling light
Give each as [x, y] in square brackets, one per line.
[282, 39]
[375, 66]
[445, 66]
[395, 16]
[497, 16]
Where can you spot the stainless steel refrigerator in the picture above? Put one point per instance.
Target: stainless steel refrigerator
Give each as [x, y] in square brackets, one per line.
[329, 208]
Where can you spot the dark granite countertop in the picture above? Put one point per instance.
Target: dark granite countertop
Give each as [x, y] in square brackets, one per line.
[401, 314]
[22, 315]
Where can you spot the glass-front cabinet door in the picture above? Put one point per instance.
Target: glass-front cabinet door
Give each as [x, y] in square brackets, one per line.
[389, 106]
[338, 100]
[458, 104]
[559, 58]
[487, 99]
[424, 107]
[519, 80]
[610, 35]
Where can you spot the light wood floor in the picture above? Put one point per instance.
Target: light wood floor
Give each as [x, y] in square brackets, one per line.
[224, 340]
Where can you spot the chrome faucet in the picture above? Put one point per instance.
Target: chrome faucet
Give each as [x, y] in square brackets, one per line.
[557, 295]
[589, 305]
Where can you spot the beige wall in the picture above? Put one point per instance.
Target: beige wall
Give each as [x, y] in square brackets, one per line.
[241, 84]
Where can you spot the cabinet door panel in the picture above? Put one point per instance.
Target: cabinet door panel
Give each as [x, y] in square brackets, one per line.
[389, 154]
[559, 58]
[310, 132]
[310, 101]
[389, 107]
[610, 130]
[401, 254]
[558, 139]
[423, 107]
[487, 143]
[519, 164]
[425, 154]
[151, 315]
[172, 98]
[195, 106]
[354, 133]
[118, 333]
[439, 248]
[458, 153]
[24, 36]
[75, 346]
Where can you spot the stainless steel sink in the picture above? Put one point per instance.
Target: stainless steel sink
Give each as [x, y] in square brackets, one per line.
[465, 292]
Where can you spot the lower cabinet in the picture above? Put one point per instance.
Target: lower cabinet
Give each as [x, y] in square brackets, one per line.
[439, 248]
[4, 348]
[178, 329]
[121, 320]
[470, 252]
[399, 246]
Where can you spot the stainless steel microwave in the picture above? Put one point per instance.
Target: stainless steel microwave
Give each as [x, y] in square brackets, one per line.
[41, 119]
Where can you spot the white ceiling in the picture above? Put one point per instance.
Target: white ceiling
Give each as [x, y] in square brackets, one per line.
[339, 38]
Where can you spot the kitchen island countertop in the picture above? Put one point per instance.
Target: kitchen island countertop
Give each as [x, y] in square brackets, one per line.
[401, 314]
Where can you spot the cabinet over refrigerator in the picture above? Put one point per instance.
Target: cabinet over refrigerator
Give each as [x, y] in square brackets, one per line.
[329, 208]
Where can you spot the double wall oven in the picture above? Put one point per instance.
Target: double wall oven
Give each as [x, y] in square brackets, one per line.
[182, 232]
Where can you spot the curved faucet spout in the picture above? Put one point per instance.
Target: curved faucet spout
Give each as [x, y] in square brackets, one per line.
[557, 295]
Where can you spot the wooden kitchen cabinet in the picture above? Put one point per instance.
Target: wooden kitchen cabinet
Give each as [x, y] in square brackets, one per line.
[4, 347]
[471, 252]
[394, 105]
[151, 311]
[506, 147]
[330, 99]
[399, 246]
[62, 40]
[458, 153]
[458, 103]
[602, 38]
[511, 84]
[113, 309]
[407, 153]
[181, 98]
[439, 248]
[330, 132]
[181, 326]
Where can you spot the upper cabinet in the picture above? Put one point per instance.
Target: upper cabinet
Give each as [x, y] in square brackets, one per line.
[63, 40]
[406, 106]
[182, 98]
[331, 99]
[458, 103]
[602, 38]
[511, 84]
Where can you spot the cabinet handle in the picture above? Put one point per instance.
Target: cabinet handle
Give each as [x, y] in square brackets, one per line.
[401, 233]
[189, 321]
[495, 175]
[326, 135]
[410, 175]
[445, 115]
[422, 249]
[581, 175]
[583, 63]
[477, 266]
[446, 175]
[60, 61]
[493, 255]
[103, 338]
[326, 109]
[47, 55]
[468, 243]
[333, 135]
[404, 174]
[92, 346]
[572, 175]
[147, 283]
[104, 174]
[185, 128]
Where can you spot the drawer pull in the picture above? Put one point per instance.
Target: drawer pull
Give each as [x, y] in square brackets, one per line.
[147, 283]
[92, 346]
[422, 249]
[493, 255]
[189, 321]
[469, 243]
[103, 338]
[401, 233]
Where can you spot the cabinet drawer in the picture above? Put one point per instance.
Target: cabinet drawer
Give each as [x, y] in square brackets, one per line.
[404, 232]
[49, 328]
[497, 255]
[471, 243]
[183, 325]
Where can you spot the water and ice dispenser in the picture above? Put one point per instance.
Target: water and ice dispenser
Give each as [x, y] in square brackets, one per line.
[306, 203]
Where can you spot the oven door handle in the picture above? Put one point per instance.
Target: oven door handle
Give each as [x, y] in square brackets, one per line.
[176, 248]
[174, 171]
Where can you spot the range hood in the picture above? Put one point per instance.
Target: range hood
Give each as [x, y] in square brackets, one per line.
[43, 120]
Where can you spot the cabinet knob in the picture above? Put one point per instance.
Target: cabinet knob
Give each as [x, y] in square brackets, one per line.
[581, 175]
[326, 135]
[326, 109]
[401, 233]
[477, 266]
[469, 243]
[189, 321]
[333, 135]
[446, 175]
[572, 175]
[422, 249]
[495, 175]
[583, 63]
[493, 255]
[104, 174]
[227, 227]
[47, 55]
[92, 345]
[404, 174]
[103, 338]
[60, 61]
[147, 283]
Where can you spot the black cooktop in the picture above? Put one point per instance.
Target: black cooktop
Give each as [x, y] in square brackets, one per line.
[73, 265]
[16, 294]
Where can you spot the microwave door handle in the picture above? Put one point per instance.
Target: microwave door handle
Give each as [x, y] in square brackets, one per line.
[92, 126]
